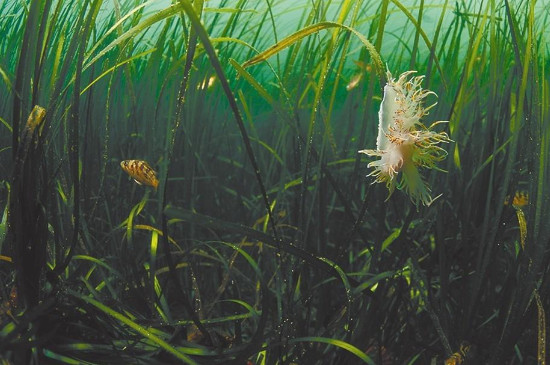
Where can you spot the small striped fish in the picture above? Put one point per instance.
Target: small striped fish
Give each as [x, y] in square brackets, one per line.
[520, 199]
[141, 172]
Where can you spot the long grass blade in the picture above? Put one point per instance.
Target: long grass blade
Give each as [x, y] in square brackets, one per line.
[136, 327]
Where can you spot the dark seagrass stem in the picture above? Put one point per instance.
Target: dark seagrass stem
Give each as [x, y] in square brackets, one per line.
[27, 219]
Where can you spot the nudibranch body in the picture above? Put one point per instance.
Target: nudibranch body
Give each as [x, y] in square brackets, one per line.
[404, 144]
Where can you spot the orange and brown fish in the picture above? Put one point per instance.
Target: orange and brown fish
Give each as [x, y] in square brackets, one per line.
[141, 172]
[520, 199]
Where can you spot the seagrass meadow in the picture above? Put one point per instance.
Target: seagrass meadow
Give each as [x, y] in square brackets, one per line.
[260, 234]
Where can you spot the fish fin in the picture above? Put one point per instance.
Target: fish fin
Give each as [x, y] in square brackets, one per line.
[138, 182]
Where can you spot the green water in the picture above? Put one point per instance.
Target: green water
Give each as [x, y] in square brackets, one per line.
[270, 239]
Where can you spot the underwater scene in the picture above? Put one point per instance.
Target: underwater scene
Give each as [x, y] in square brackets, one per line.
[274, 182]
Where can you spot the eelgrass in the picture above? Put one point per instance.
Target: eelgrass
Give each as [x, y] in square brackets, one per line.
[265, 241]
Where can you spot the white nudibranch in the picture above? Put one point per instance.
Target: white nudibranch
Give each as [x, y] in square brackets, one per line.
[404, 144]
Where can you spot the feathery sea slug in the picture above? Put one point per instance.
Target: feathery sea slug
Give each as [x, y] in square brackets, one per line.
[404, 144]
